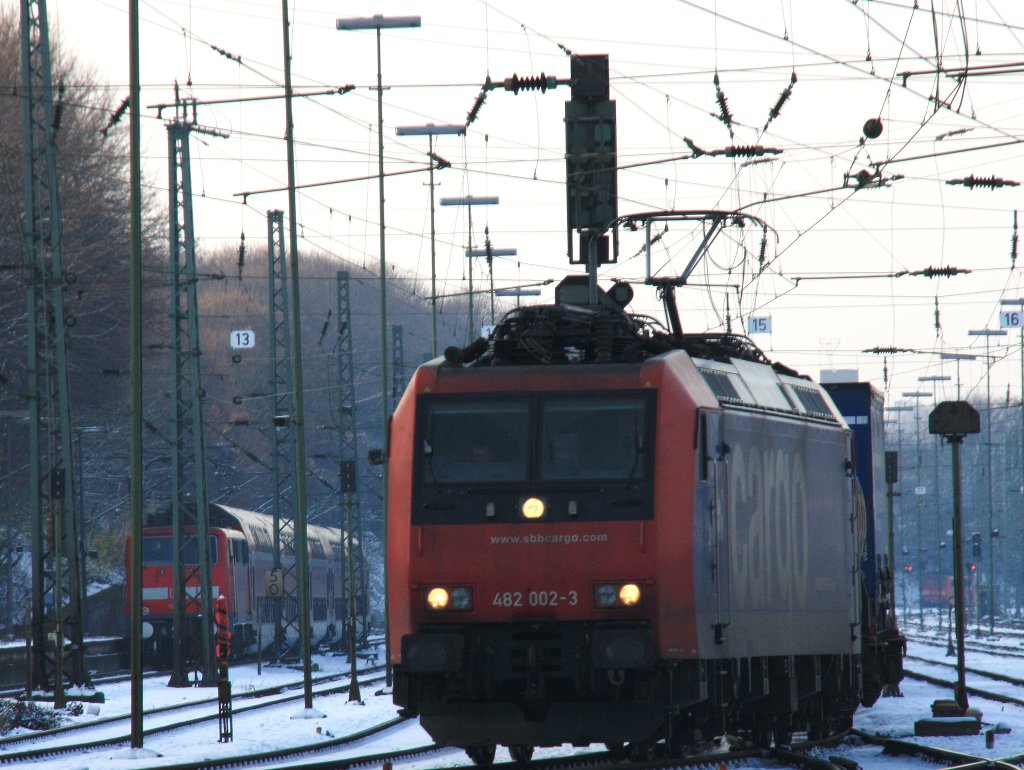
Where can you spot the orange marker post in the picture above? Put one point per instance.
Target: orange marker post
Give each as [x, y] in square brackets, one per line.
[220, 620]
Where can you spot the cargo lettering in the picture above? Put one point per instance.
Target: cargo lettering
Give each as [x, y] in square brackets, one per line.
[769, 538]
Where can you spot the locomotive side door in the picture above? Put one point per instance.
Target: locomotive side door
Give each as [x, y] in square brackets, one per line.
[713, 479]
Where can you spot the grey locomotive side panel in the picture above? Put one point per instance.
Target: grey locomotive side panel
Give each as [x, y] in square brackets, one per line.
[779, 541]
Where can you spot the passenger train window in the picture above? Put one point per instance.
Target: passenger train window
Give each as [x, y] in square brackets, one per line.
[241, 551]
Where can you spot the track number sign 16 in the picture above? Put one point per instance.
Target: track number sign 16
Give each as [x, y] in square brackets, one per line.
[243, 338]
[1011, 319]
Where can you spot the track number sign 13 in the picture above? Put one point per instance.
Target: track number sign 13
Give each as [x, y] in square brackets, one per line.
[243, 338]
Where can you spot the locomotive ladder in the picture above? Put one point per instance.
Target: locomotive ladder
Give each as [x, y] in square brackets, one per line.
[189, 505]
[58, 657]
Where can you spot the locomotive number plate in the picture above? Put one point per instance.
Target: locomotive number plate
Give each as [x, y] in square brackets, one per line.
[535, 599]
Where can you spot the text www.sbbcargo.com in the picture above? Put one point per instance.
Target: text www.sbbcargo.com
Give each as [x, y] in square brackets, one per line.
[534, 539]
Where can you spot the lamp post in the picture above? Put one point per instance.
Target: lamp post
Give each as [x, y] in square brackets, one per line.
[1009, 319]
[958, 357]
[891, 522]
[430, 131]
[469, 202]
[81, 500]
[490, 253]
[939, 544]
[517, 293]
[919, 494]
[378, 23]
[988, 334]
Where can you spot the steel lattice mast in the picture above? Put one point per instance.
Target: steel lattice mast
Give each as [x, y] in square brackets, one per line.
[190, 515]
[349, 454]
[58, 656]
[285, 605]
[397, 364]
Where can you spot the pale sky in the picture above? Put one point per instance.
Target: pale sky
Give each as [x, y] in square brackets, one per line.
[848, 58]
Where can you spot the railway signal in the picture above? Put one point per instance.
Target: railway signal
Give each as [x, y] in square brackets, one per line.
[220, 620]
[953, 420]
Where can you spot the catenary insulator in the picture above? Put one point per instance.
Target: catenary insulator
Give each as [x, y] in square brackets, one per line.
[991, 182]
[541, 83]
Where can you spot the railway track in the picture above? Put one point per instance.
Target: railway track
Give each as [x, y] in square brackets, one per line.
[337, 754]
[366, 747]
[995, 676]
[106, 660]
[897, 748]
[375, 746]
[333, 751]
[56, 741]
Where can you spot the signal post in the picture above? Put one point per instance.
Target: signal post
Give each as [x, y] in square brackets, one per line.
[225, 719]
[954, 420]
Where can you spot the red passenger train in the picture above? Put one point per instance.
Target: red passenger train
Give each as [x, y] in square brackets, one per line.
[604, 531]
[241, 567]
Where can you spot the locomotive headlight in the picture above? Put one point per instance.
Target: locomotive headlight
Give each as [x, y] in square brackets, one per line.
[605, 595]
[462, 598]
[629, 594]
[608, 595]
[452, 598]
[437, 598]
[532, 508]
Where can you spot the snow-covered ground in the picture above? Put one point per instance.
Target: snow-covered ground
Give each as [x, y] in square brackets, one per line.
[288, 724]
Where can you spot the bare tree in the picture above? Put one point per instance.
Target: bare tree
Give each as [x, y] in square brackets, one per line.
[93, 186]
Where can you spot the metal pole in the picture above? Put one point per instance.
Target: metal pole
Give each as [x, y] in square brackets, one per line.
[353, 686]
[57, 513]
[903, 509]
[988, 472]
[917, 395]
[988, 334]
[1016, 320]
[9, 540]
[891, 477]
[384, 410]
[469, 247]
[298, 420]
[934, 379]
[81, 516]
[433, 257]
[431, 130]
[378, 23]
[960, 693]
[135, 301]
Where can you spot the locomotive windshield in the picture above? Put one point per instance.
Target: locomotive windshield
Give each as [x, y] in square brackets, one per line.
[479, 441]
[592, 439]
[586, 453]
[158, 551]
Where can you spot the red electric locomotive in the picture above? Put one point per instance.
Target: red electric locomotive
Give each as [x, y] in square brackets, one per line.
[603, 531]
[241, 567]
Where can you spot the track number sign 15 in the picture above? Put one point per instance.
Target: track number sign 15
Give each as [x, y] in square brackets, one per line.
[759, 324]
[243, 338]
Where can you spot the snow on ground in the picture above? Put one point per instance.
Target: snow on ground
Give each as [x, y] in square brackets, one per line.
[283, 725]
